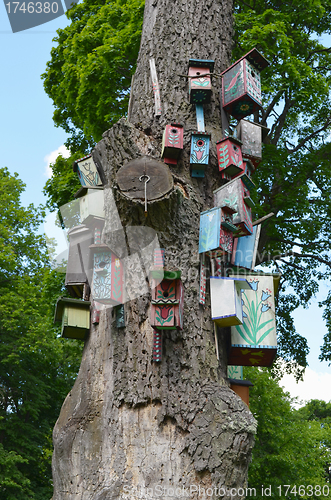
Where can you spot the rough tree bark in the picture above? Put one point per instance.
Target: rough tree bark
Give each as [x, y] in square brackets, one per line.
[131, 428]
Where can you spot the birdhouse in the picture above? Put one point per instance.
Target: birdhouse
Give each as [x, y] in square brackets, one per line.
[251, 136]
[75, 317]
[241, 85]
[229, 156]
[107, 279]
[235, 372]
[235, 195]
[254, 343]
[89, 172]
[200, 80]
[216, 230]
[78, 276]
[199, 156]
[91, 205]
[241, 388]
[172, 143]
[226, 303]
[245, 249]
[167, 301]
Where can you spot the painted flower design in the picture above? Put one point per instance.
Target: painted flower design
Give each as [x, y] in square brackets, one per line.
[265, 307]
[244, 107]
[254, 284]
[265, 294]
[117, 263]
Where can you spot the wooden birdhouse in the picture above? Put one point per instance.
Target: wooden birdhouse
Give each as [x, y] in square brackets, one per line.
[75, 317]
[199, 157]
[172, 143]
[229, 156]
[226, 303]
[235, 195]
[107, 279]
[217, 230]
[254, 343]
[245, 249]
[241, 388]
[251, 135]
[91, 205]
[241, 85]
[89, 172]
[78, 275]
[167, 301]
[200, 80]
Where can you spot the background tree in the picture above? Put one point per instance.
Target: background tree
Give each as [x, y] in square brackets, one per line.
[36, 367]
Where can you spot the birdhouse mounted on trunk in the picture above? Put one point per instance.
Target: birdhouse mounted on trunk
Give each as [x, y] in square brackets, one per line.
[78, 275]
[200, 80]
[245, 249]
[241, 85]
[199, 157]
[217, 230]
[172, 143]
[235, 195]
[167, 301]
[254, 343]
[107, 279]
[251, 136]
[90, 173]
[75, 317]
[229, 156]
[91, 205]
[226, 302]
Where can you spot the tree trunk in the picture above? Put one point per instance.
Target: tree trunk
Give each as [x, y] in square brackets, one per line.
[132, 428]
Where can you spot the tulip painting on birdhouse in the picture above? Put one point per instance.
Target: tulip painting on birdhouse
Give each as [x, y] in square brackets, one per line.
[107, 279]
[235, 195]
[200, 80]
[172, 143]
[226, 301]
[254, 343]
[89, 173]
[241, 85]
[216, 230]
[167, 302]
[199, 157]
[229, 156]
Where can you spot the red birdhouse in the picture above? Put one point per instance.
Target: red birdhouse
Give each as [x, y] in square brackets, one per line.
[200, 80]
[172, 143]
[167, 301]
[229, 156]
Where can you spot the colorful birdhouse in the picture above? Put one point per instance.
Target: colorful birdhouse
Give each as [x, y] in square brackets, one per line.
[78, 275]
[235, 195]
[75, 317]
[199, 157]
[172, 143]
[200, 80]
[226, 302]
[254, 343]
[167, 302]
[107, 279]
[229, 156]
[89, 172]
[216, 230]
[251, 136]
[91, 205]
[241, 85]
[235, 372]
[245, 249]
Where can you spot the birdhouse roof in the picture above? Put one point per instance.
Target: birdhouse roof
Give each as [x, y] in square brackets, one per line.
[254, 57]
[62, 302]
[202, 63]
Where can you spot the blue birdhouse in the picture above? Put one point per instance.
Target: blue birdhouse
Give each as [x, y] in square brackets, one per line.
[199, 157]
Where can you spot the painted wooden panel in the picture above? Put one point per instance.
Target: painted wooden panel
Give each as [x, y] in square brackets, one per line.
[233, 195]
[172, 143]
[78, 266]
[229, 156]
[74, 316]
[241, 85]
[245, 249]
[200, 85]
[92, 205]
[167, 304]
[199, 156]
[107, 280]
[235, 372]
[254, 343]
[250, 135]
[216, 230]
[226, 302]
[90, 174]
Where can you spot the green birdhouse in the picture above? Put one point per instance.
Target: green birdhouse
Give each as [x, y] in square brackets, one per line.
[75, 317]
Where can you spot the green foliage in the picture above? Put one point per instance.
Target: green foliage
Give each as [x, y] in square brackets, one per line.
[291, 448]
[90, 71]
[37, 369]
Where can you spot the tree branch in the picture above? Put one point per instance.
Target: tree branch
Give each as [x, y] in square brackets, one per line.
[309, 137]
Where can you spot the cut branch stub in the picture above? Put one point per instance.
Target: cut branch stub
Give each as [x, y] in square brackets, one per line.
[160, 183]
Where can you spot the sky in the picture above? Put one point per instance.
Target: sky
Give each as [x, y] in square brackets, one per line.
[30, 142]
